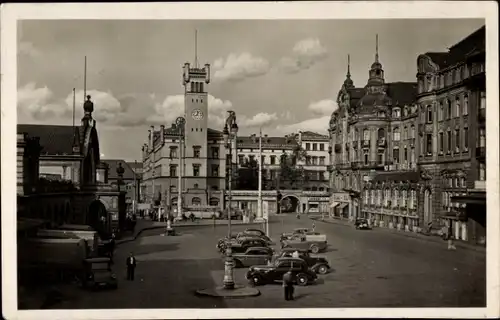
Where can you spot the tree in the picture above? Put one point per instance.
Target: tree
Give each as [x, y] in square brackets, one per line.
[248, 175]
[291, 173]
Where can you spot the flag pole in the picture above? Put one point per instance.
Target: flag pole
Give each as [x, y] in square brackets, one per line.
[85, 80]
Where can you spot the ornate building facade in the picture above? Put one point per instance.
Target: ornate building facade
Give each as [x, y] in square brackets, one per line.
[401, 151]
[452, 133]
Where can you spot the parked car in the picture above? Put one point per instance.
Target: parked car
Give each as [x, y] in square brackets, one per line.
[294, 234]
[311, 245]
[361, 224]
[242, 246]
[318, 264]
[253, 256]
[263, 274]
[256, 232]
[98, 274]
[242, 236]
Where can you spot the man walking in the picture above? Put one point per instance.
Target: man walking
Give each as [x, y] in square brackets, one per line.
[288, 285]
[131, 263]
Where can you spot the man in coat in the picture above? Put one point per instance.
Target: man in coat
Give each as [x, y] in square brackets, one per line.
[288, 285]
[131, 264]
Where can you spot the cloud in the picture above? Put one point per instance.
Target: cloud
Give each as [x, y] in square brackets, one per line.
[27, 49]
[38, 102]
[239, 67]
[305, 54]
[323, 107]
[261, 119]
[319, 125]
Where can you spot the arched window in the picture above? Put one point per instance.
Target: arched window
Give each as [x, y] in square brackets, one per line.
[174, 201]
[465, 109]
[458, 112]
[396, 134]
[366, 134]
[381, 134]
[196, 201]
[214, 202]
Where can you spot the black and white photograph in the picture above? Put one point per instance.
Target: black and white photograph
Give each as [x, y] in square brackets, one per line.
[179, 161]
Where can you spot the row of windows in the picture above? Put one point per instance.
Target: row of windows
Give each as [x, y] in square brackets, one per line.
[391, 198]
[449, 78]
[408, 157]
[315, 146]
[196, 170]
[381, 135]
[447, 141]
[197, 87]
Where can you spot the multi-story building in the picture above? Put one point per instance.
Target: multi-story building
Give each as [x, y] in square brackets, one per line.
[372, 138]
[406, 149]
[200, 153]
[451, 130]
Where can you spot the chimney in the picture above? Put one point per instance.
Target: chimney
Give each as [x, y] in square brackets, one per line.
[152, 138]
[162, 134]
[149, 138]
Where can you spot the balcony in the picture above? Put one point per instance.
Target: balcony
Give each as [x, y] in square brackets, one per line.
[481, 115]
[480, 152]
[411, 142]
[365, 143]
[382, 143]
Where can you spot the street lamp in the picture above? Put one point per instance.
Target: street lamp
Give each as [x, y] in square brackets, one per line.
[229, 134]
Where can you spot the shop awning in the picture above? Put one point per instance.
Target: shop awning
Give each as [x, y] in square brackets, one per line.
[343, 205]
[334, 204]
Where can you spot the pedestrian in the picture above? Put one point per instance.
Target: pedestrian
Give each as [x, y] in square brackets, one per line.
[313, 226]
[288, 285]
[131, 264]
[449, 237]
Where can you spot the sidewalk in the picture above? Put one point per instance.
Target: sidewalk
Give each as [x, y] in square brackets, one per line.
[147, 224]
[458, 244]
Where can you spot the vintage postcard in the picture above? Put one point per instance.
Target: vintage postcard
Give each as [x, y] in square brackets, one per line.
[235, 160]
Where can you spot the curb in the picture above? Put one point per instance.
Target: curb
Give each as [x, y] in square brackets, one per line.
[119, 242]
[410, 235]
[238, 292]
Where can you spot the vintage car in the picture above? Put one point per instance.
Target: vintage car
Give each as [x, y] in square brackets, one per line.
[242, 246]
[262, 274]
[256, 232]
[294, 233]
[310, 245]
[98, 274]
[253, 256]
[361, 224]
[318, 264]
[303, 233]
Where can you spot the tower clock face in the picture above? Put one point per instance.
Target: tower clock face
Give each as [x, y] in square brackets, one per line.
[197, 114]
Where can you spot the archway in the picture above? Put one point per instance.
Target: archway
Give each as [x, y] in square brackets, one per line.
[98, 217]
[289, 204]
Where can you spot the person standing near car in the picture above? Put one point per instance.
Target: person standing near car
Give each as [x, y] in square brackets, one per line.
[131, 264]
[288, 285]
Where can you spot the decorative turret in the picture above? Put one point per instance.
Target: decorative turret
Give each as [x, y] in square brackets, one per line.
[376, 74]
[348, 83]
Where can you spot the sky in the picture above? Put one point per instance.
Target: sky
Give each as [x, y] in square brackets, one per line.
[278, 75]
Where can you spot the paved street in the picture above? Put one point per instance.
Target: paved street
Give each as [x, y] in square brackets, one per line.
[370, 269]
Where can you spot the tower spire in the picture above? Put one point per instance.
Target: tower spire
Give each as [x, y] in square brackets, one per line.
[196, 48]
[348, 66]
[376, 48]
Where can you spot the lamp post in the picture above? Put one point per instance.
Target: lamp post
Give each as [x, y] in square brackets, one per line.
[180, 122]
[229, 133]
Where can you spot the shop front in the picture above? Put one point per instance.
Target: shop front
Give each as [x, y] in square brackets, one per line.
[317, 204]
[340, 205]
[469, 222]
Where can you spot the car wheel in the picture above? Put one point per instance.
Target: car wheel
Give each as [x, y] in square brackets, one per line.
[256, 280]
[322, 269]
[314, 248]
[302, 279]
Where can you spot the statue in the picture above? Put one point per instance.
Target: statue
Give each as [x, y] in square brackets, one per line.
[231, 119]
[88, 107]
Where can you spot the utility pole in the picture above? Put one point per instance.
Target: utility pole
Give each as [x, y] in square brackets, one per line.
[85, 80]
[135, 187]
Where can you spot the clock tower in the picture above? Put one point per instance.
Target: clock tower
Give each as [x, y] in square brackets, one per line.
[195, 81]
